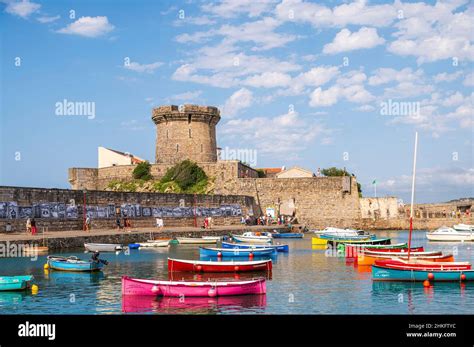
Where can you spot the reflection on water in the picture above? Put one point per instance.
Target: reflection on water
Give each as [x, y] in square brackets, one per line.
[168, 305]
[303, 281]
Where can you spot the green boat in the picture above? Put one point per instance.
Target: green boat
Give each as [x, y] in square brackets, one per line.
[373, 243]
[9, 283]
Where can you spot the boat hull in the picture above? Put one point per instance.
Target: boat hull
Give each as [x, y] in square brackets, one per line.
[196, 241]
[380, 273]
[79, 266]
[14, 283]
[151, 244]
[454, 238]
[218, 266]
[319, 241]
[252, 239]
[279, 248]
[288, 236]
[102, 247]
[241, 252]
[417, 264]
[133, 286]
[365, 260]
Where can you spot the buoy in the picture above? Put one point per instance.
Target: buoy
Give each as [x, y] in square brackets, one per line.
[219, 254]
[463, 277]
[199, 267]
[426, 283]
[46, 266]
[236, 268]
[250, 255]
[34, 289]
[212, 292]
[430, 276]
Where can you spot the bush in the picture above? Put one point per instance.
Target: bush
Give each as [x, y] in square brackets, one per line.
[142, 171]
[185, 174]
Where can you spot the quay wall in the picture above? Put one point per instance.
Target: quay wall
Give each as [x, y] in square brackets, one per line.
[63, 209]
[78, 240]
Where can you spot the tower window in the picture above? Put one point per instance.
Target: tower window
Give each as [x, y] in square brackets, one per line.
[177, 148]
[190, 135]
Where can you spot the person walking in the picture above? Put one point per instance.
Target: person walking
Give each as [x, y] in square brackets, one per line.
[33, 227]
[117, 222]
[28, 225]
[88, 224]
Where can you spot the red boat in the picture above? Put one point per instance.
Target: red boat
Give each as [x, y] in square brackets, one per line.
[401, 250]
[416, 264]
[218, 266]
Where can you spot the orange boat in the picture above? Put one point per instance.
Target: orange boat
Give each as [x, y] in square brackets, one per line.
[369, 258]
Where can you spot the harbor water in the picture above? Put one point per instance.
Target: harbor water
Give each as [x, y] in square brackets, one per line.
[303, 281]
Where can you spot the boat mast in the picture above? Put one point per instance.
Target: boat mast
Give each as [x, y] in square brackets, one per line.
[412, 194]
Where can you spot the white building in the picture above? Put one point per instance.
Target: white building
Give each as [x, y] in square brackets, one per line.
[110, 157]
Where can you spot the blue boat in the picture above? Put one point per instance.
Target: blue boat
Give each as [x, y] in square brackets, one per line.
[75, 264]
[382, 273]
[278, 248]
[288, 235]
[227, 252]
[8, 283]
[347, 238]
[133, 246]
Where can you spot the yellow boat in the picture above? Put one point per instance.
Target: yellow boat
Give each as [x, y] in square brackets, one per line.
[366, 259]
[317, 241]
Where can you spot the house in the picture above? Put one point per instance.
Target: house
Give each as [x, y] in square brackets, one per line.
[110, 157]
[294, 172]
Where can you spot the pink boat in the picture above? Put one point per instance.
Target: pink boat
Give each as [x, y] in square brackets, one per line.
[196, 305]
[135, 286]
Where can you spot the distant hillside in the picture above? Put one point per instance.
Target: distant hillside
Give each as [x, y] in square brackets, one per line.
[461, 200]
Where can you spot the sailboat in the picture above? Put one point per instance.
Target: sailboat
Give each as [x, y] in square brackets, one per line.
[415, 270]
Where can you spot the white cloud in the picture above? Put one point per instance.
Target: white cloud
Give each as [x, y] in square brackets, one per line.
[187, 96]
[22, 8]
[348, 86]
[346, 41]
[148, 68]
[268, 80]
[290, 133]
[354, 13]
[432, 33]
[447, 77]
[237, 102]
[431, 180]
[88, 27]
[324, 98]
[387, 75]
[48, 19]
[198, 20]
[232, 8]
[469, 80]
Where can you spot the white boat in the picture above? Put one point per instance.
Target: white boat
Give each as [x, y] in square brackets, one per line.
[463, 227]
[331, 231]
[154, 243]
[197, 240]
[450, 234]
[104, 247]
[251, 237]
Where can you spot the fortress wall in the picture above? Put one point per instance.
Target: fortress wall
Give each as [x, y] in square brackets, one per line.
[316, 200]
[40, 199]
[383, 207]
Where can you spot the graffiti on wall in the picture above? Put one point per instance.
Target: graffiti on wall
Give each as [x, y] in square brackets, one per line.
[11, 210]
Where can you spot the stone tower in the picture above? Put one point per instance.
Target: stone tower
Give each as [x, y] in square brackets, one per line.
[185, 132]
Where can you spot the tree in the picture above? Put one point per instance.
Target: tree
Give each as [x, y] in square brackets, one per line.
[335, 172]
[142, 171]
[185, 174]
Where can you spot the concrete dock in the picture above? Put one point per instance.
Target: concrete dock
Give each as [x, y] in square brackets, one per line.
[77, 238]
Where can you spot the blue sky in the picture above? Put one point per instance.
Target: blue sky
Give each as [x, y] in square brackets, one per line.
[302, 83]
